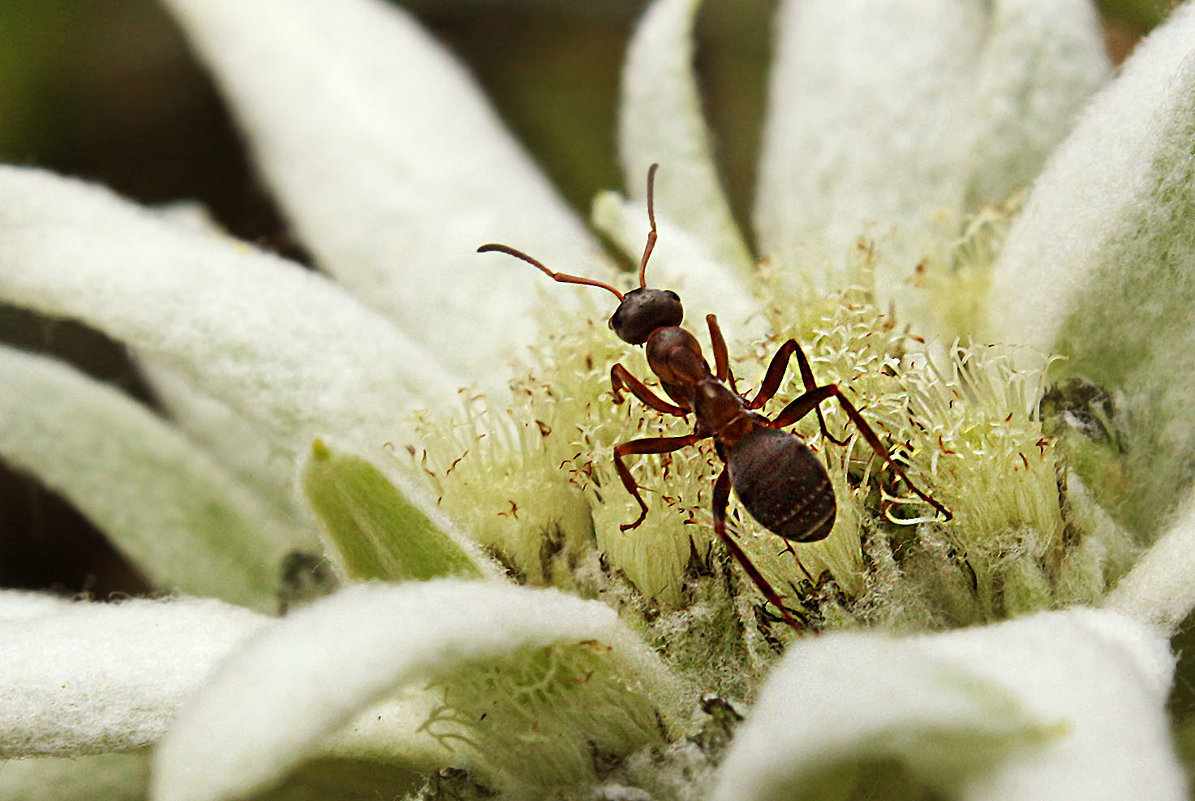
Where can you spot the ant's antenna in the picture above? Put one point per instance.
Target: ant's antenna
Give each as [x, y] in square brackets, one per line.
[563, 278]
[651, 216]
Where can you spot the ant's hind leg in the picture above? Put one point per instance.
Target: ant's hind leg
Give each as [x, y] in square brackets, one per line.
[640, 446]
[775, 373]
[621, 378]
[810, 400]
[721, 501]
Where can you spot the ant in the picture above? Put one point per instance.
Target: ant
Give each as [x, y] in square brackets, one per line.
[775, 475]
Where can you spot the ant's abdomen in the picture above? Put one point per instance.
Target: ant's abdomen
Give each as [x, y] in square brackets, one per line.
[782, 484]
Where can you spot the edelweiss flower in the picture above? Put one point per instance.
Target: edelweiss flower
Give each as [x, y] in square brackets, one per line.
[897, 140]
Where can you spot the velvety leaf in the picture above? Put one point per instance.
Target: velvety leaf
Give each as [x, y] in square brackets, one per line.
[308, 676]
[183, 520]
[284, 347]
[660, 120]
[85, 678]
[1098, 269]
[393, 168]
[1025, 709]
[375, 530]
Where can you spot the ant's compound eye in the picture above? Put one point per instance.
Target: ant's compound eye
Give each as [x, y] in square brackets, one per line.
[672, 295]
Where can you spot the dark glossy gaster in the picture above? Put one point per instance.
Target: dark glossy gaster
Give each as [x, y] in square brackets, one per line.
[776, 477]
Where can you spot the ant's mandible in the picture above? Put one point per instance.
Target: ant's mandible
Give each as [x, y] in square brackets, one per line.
[775, 475]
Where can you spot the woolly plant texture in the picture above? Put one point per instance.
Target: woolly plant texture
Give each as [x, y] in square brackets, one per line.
[393, 566]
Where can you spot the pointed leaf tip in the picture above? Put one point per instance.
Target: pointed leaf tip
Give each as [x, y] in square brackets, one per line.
[377, 532]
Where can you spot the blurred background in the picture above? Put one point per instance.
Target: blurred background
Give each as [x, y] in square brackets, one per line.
[107, 90]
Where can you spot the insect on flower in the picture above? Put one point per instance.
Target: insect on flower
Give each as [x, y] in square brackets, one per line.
[775, 475]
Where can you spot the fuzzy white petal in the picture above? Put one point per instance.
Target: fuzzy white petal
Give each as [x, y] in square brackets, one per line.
[391, 166]
[232, 438]
[1098, 268]
[1081, 221]
[179, 516]
[1160, 589]
[886, 119]
[19, 604]
[684, 263]
[867, 124]
[1036, 708]
[660, 120]
[284, 347]
[92, 677]
[309, 675]
[1040, 62]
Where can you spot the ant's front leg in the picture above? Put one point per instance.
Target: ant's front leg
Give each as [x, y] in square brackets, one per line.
[621, 378]
[640, 446]
[810, 400]
[776, 371]
[722, 369]
[721, 500]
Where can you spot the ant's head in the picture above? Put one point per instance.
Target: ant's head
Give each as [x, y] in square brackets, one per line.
[643, 310]
[639, 311]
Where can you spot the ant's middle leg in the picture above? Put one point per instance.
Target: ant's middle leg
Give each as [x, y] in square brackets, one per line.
[640, 446]
[775, 373]
[621, 378]
[810, 401]
[721, 500]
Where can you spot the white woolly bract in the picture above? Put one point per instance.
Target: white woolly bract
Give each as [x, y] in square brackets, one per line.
[1083, 216]
[20, 604]
[1040, 63]
[230, 436]
[882, 116]
[392, 167]
[1160, 588]
[1029, 709]
[281, 345]
[1098, 269]
[183, 520]
[311, 673]
[660, 120]
[91, 677]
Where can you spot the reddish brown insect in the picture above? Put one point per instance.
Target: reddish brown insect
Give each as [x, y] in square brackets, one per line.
[777, 478]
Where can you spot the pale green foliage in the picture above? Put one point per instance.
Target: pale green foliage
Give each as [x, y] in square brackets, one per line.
[375, 531]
